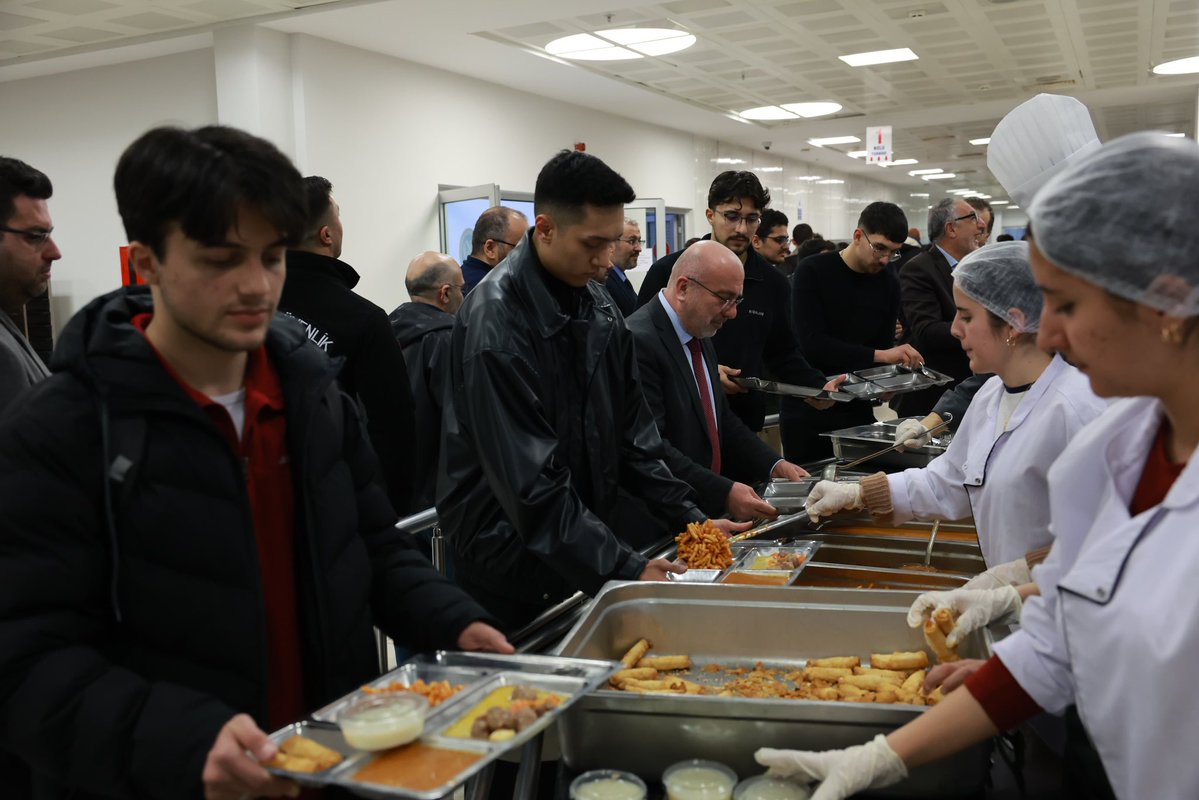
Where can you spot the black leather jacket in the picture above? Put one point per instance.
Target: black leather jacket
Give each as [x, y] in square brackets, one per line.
[546, 422]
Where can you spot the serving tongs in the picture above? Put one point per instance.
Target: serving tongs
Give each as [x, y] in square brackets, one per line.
[781, 521]
[830, 471]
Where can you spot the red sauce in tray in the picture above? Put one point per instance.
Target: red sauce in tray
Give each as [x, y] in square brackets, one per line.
[416, 766]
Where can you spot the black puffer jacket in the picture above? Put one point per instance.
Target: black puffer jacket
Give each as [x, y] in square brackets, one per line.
[125, 648]
[423, 332]
[546, 422]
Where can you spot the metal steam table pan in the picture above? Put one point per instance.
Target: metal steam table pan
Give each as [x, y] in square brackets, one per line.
[850, 444]
[741, 625]
[873, 383]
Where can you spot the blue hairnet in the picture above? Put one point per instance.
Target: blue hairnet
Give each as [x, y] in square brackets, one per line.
[1125, 218]
[998, 276]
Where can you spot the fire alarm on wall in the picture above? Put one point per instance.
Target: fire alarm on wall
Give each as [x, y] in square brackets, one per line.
[581, 147]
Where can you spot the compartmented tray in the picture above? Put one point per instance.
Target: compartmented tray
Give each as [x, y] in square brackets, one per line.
[481, 675]
[873, 383]
[789, 496]
[791, 390]
[746, 558]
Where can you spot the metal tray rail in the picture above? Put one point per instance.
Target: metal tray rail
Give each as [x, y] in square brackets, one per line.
[646, 733]
[571, 677]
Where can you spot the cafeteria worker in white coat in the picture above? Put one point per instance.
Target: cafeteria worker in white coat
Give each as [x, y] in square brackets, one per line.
[1015, 427]
[1113, 630]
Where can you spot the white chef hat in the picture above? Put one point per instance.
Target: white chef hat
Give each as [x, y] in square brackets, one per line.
[1036, 140]
[1124, 218]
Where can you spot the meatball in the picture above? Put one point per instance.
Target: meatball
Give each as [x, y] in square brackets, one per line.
[524, 718]
[524, 693]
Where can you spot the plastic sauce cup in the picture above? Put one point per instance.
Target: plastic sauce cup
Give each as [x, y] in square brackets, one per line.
[384, 721]
[768, 787]
[607, 784]
[696, 779]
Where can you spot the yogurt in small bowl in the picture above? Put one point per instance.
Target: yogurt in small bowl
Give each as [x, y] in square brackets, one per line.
[384, 721]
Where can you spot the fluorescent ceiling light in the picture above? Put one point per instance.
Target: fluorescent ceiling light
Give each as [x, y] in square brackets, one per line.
[834, 140]
[931, 171]
[984, 140]
[1011, 207]
[809, 177]
[620, 44]
[940, 176]
[1181, 66]
[1000, 202]
[768, 169]
[879, 57]
[919, 194]
[857, 153]
[727, 160]
[961, 191]
[821, 109]
[831, 180]
[1177, 135]
[903, 162]
[766, 113]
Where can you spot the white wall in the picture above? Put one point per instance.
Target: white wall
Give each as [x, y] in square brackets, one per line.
[386, 132]
[73, 126]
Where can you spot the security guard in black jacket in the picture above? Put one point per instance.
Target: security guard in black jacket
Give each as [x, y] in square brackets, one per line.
[547, 420]
[760, 340]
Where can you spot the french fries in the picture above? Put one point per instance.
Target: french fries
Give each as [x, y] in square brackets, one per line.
[704, 546]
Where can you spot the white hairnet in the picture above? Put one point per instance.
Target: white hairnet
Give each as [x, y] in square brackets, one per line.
[1125, 218]
[1036, 140]
[998, 276]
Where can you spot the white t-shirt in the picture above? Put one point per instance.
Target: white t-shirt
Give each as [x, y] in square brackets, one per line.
[235, 404]
[1008, 404]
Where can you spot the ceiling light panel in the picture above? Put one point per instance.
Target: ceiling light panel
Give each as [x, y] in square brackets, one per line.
[767, 113]
[984, 140]
[809, 110]
[1181, 66]
[834, 140]
[939, 177]
[879, 57]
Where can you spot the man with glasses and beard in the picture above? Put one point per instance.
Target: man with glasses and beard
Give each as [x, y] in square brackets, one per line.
[926, 291]
[845, 306]
[496, 233]
[26, 254]
[760, 339]
[625, 252]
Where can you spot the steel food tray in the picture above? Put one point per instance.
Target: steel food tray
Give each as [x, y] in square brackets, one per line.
[791, 390]
[732, 625]
[571, 677]
[744, 553]
[850, 444]
[419, 668]
[873, 383]
[788, 496]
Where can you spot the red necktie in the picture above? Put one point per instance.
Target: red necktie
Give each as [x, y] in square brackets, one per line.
[705, 399]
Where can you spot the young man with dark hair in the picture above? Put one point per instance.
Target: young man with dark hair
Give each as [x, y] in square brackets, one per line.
[547, 420]
[26, 253]
[195, 543]
[771, 239]
[319, 294]
[845, 305]
[760, 341]
[800, 234]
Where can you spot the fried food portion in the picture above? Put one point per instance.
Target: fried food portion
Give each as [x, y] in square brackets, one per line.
[635, 653]
[831, 674]
[900, 661]
[301, 754]
[936, 640]
[665, 663]
[840, 662]
[436, 692]
[639, 674]
[704, 546]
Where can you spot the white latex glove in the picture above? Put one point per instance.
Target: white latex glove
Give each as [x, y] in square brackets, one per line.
[976, 608]
[1013, 573]
[829, 497]
[841, 773]
[911, 433]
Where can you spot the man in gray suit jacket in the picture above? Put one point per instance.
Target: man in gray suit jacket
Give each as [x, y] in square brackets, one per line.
[26, 253]
[706, 445]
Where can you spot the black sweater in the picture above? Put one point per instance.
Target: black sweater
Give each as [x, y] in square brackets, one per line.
[842, 316]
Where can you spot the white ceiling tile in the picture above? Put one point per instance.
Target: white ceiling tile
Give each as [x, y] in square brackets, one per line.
[11, 22]
[74, 8]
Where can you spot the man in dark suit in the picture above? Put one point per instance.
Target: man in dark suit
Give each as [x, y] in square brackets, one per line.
[706, 445]
[926, 293]
[625, 251]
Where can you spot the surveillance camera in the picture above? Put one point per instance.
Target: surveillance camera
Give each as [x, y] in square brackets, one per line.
[766, 145]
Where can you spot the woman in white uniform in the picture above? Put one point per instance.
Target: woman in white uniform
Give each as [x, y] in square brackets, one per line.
[1113, 630]
[1015, 427]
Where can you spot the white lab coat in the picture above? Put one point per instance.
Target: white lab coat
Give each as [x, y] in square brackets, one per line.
[1114, 630]
[999, 475]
